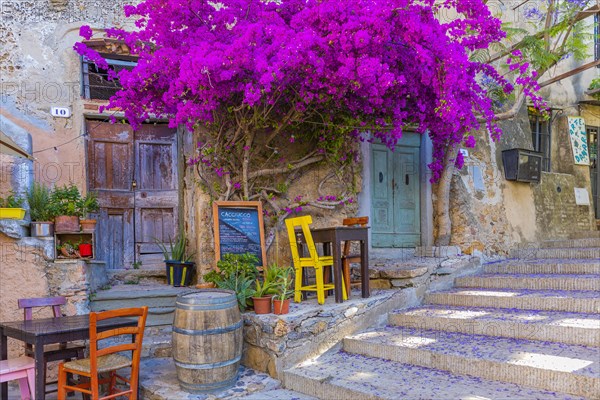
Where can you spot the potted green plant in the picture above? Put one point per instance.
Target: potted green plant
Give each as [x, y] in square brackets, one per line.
[236, 272]
[283, 283]
[12, 207]
[39, 208]
[64, 205]
[67, 250]
[179, 267]
[262, 296]
[88, 204]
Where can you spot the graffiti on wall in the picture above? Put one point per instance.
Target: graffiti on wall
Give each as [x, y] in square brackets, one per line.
[579, 140]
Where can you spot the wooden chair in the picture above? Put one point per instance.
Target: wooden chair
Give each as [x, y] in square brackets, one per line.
[23, 369]
[312, 261]
[348, 258]
[60, 352]
[107, 360]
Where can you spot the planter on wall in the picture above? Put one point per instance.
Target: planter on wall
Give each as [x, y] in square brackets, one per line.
[66, 223]
[42, 229]
[12, 213]
[88, 225]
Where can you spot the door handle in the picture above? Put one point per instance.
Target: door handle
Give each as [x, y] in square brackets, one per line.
[406, 179]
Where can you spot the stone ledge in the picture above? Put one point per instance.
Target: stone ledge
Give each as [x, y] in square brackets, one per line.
[412, 271]
[273, 343]
[14, 228]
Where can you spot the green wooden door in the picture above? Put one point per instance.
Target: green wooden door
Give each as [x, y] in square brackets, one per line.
[395, 203]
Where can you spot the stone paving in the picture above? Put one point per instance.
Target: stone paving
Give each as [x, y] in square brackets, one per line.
[158, 380]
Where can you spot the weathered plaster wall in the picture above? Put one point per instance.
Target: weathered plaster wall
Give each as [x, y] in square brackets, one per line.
[501, 214]
[27, 270]
[39, 69]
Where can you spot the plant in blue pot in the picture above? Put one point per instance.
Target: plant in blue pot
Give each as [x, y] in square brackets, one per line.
[179, 267]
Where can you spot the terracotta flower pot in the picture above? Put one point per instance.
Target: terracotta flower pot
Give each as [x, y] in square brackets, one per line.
[88, 225]
[66, 223]
[262, 305]
[281, 306]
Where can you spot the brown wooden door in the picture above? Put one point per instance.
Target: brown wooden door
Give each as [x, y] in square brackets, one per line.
[156, 194]
[135, 176]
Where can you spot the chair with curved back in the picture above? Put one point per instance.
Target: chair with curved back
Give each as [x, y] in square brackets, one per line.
[312, 261]
[60, 352]
[107, 360]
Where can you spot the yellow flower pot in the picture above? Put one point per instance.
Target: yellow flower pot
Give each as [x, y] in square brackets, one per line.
[12, 213]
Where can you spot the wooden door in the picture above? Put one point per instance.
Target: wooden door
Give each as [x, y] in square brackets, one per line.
[395, 194]
[135, 176]
[156, 194]
[110, 174]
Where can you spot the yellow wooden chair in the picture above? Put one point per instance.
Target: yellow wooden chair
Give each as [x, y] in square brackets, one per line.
[313, 261]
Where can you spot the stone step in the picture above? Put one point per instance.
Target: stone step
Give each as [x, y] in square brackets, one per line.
[531, 281]
[278, 394]
[546, 266]
[551, 326]
[550, 300]
[528, 253]
[342, 375]
[159, 298]
[548, 366]
[585, 235]
[571, 243]
[135, 296]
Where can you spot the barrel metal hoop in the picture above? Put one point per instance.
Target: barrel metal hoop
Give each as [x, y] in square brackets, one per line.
[208, 366]
[194, 332]
[189, 298]
[206, 307]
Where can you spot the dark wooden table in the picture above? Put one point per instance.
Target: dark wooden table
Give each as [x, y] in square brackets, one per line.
[40, 332]
[335, 235]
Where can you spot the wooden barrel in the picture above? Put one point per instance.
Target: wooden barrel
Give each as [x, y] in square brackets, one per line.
[207, 340]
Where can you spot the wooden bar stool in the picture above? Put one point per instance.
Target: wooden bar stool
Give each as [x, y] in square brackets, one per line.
[23, 370]
[348, 258]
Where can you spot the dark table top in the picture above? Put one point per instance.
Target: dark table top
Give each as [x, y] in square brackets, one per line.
[340, 228]
[53, 326]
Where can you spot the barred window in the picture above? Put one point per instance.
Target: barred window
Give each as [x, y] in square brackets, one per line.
[95, 80]
[541, 130]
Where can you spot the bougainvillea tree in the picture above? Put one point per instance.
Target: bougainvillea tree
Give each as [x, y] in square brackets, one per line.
[272, 88]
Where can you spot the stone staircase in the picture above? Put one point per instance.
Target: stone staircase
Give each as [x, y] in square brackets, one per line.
[526, 328]
[160, 299]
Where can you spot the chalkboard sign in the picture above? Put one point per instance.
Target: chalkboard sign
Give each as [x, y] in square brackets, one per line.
[239, 229]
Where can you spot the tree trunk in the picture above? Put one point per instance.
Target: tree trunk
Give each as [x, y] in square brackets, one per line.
[442, 202]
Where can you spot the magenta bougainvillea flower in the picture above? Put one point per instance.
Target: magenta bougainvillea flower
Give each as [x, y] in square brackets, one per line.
[383, 64]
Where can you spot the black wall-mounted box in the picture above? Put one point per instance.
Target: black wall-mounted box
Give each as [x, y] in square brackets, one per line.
[522, 165]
